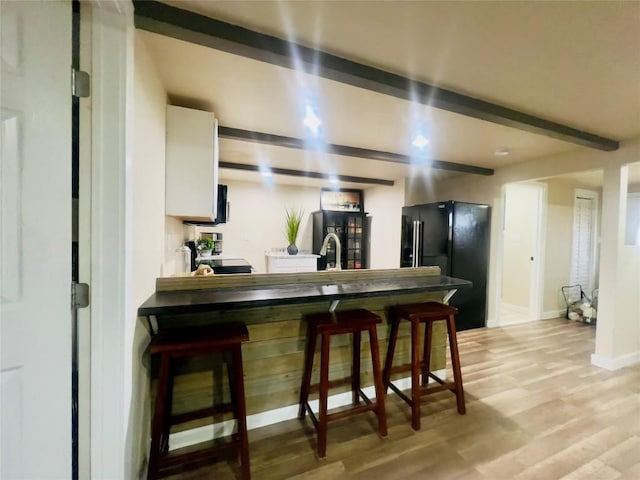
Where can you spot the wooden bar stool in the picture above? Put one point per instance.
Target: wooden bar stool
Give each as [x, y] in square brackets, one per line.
[188, 342]
[426, 313]
[327, 324]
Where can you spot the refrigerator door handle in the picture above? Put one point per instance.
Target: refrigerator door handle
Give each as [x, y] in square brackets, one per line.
[419, 245]
[414, 245]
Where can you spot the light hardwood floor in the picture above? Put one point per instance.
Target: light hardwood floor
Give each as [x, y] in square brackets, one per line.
[536, 409]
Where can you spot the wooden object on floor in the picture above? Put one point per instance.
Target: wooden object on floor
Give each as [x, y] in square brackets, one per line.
[326, 325]
[190, 342]
[426, 313]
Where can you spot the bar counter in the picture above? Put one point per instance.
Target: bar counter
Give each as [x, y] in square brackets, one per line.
[272, 306]
[308, 288]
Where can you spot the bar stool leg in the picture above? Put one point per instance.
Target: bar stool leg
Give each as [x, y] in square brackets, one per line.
[159, 416]
[415, 375]
[381, 412]
[391, 347]
[308, 368]
[426, 360]
[355, 369]
[241, 411]
[231, 375]
[164, 447]
[324, 392]
[455, 363]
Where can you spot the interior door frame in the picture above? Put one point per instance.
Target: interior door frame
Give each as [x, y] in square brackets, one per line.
[110, 29]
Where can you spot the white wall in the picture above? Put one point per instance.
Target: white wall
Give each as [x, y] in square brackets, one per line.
[618, 332]
[257, 219]
[148, 174]
[557, 268]
[147, 170]
[257, 215]
[384, 204]
[632, 229]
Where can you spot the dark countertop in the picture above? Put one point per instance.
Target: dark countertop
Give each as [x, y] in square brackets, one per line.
[195, 301]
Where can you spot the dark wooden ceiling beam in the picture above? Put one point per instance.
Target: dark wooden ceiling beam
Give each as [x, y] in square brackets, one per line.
[306, 174]
[345, 150]
[191, 27]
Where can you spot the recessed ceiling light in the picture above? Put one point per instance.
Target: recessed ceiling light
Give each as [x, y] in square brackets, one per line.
[420, 141]
[501, 152]
[311, 120]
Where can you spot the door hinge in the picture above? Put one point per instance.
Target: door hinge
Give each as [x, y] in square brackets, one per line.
[80, 83]
[79, 295]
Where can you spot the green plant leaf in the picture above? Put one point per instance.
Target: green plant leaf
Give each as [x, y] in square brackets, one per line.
[205, 243]
[293, 219]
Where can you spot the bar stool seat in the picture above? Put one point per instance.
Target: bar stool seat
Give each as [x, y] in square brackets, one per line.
[188, 342]
[426, 313]
[326, 325]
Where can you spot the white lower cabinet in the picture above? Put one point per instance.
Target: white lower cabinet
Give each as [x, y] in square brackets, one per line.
[283, 263]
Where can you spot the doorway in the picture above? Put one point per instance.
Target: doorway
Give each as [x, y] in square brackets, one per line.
[520, 297]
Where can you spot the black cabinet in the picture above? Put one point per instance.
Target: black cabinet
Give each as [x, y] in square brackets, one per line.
[455, 237]
[353, 231]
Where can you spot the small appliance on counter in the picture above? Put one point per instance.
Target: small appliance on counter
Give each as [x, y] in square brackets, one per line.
[227, 265]
[194, 253]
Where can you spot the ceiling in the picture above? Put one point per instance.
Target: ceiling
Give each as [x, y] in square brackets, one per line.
[574, 63]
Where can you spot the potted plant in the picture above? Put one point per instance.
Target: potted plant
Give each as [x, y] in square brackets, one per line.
[292, 226]
[204, 246]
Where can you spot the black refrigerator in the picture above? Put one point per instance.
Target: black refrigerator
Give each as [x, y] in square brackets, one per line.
[454, 236]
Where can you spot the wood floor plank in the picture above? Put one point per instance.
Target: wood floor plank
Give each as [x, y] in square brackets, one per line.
[536, 409]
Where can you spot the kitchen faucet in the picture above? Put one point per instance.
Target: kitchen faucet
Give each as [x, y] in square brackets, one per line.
[323, 250]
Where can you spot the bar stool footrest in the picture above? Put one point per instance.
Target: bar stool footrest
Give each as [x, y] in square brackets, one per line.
[343, 412]
[347, 412]
[202, 413]
[315, 388]
[206, 453]
[400, 393]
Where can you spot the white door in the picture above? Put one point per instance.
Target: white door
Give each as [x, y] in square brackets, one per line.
[583, 261]
[521, 253]
[35, 240]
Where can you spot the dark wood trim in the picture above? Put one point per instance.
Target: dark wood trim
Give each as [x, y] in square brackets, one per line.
[302, 173]
[191, 27]
[291, 142]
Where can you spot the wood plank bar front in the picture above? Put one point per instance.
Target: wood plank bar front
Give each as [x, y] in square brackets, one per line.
[274, 355]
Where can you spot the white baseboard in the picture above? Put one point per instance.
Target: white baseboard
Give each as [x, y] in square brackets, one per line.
[208, 432]
[615, 363]
[517, 309]
[519, 321]
[514, 308]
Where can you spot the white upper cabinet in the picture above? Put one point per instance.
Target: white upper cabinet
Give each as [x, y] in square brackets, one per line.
[191, 164]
